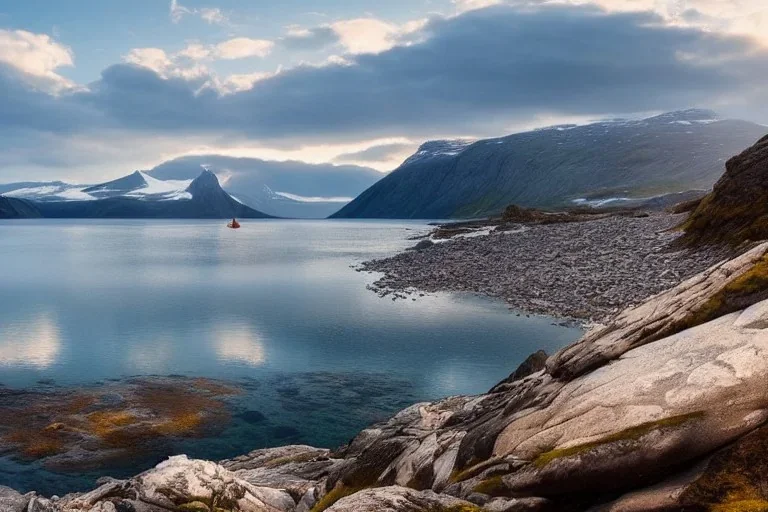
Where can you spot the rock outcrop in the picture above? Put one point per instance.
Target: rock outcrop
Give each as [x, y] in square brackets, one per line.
[737, 209]
[664, 409]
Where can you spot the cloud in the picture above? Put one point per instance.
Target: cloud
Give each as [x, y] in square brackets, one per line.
[165, 65]
[481, 73]
[178, 11]
[315, 38]
[371, 35]
[37, 57]
[381, 153]
[470, 5]
[188, 63]
[211, 15]
[231, 49]
[241, 48]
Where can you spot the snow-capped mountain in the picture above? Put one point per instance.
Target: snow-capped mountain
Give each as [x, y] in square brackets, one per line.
[550, 167]
[283, 189]
[137, 195]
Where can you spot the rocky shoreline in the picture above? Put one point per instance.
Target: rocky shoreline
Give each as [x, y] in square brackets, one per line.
[587, 270]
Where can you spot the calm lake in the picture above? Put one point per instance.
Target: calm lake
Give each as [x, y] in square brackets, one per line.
[275, 304]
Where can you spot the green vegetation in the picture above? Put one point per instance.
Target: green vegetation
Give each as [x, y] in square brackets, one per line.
[630, 434]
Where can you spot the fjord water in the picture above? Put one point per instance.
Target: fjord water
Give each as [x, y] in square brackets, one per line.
[275, 306]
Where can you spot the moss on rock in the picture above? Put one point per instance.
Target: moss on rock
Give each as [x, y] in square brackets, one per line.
[744, 291]
[630, 434]
[736, 479]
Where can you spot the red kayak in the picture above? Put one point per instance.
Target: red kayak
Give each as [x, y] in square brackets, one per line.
[234, 224]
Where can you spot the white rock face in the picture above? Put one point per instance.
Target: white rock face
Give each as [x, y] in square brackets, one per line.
[180, 479]
[395, 499]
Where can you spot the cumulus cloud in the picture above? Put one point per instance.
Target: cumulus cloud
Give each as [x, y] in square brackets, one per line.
[37, 57]
[371, 35]
[242, 47]
[189, 62]
[474, 74]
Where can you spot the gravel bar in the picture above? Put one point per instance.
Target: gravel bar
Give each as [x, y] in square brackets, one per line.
[586, 271]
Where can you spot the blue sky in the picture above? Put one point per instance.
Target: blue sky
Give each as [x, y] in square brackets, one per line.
[95, 89]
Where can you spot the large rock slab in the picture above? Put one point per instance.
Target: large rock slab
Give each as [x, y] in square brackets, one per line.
[658, 317]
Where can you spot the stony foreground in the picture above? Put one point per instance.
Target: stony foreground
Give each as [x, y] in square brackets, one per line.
[584, 270]
[663, 409]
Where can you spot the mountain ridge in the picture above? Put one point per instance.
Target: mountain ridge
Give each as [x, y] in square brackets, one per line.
[138, 195]
[555, 166]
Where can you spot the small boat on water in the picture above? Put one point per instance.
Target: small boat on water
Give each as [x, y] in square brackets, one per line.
[233, 224]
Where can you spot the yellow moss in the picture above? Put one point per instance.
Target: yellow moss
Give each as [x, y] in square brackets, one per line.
[195, 506]
[181, 424]
[630, 434]
[733, 297]
[334, 495]
[492, 486]
[103, 423]
[37, 444]
[752, 505]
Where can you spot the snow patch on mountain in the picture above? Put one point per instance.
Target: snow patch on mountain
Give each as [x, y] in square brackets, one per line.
[313, 199]
[168, 190]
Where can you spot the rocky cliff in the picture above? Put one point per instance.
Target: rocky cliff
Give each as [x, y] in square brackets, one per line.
[736, 211]
[665, 408]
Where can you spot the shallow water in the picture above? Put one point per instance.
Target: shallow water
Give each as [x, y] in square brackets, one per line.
[274, 306]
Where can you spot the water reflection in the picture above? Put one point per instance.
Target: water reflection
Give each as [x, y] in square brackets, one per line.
[239, 344]
[34, 342]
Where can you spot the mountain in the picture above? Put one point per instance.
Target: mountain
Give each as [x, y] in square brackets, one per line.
[616, 160]
[137, 195]
[12, 208]
[284, 189]
[736, 211]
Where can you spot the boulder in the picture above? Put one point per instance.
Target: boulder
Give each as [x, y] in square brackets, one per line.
[12, 501]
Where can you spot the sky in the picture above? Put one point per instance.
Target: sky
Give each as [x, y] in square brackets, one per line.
[92, 90]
